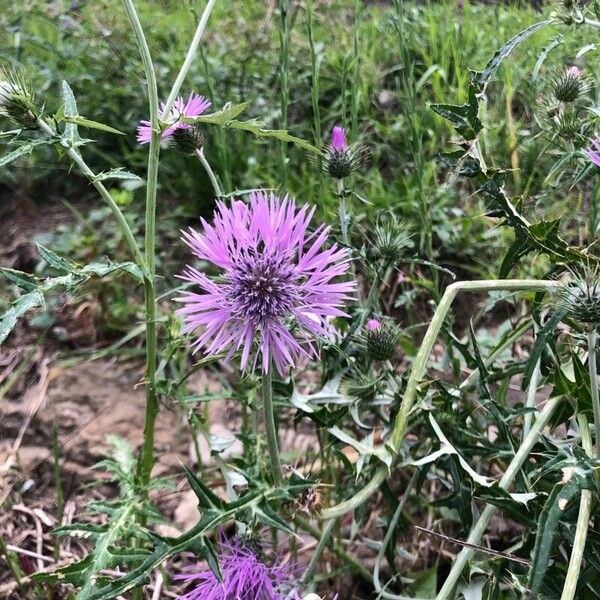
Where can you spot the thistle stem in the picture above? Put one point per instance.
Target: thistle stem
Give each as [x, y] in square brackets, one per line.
[190, 56]
[509, 475]
[531, 396]
[343, 213]
[270, 427]
[418, 370]
[146, 460]
[104, 194]
[583, 520]
[211, 175]
[592, 340]
[314, 559]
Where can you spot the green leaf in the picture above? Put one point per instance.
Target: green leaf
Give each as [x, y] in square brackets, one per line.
[119, 173]
[575, 478]
[221, 117]
[70, 136]
[464, 117]
[269, 517]
[22, 151]
[206, 497]
[483, 78]
[257, 127]
[543, 337]
[19, 307]
[60, 264]
[79, 120]
[26, 281]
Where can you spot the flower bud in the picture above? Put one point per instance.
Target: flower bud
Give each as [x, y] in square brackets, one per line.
[16, 100]
[188, 140]
[581, 297]
[570, 85]
[340, 159]
[381, 339]
[391, 239]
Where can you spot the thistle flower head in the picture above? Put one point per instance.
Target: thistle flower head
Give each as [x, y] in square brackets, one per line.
[381, 339]
[16, 99]
[569, 84]
[193, 107]
[338, 139]
[245, 577]
[581, 295]
[391, 240]
[188, 140]
[593, 152]
[339, 158]
[278, 287]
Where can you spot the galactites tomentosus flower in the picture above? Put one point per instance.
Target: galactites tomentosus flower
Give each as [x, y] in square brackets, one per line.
[339, 158]
[188, 140]
[245, 576]
[570, 84]
[193, 107]
[17, 101]
[390, 240]
[279, 285]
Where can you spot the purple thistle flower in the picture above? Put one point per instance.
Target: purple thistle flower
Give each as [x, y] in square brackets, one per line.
[593, 152]
[278, 286]
[338, 139]
[245, 577]
[194, 107]
[373, 325]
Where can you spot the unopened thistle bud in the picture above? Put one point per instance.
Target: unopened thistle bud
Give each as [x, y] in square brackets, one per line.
[341, 159]
[16, 100]
[391, 239]
[581, 296]
[381, 339]
[570, 85]
[188, 140]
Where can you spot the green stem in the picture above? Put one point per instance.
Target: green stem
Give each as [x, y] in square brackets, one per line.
[336, 548]
[531, 397]
[146, 461]
[343, 213]
[284, 60]
[270, 428]
[388, 536]
[209, 172]
[592, 339]
[418, 370]
[583, 521]
[314, 559]
[105, 195]
[190, 56]
[505, 482]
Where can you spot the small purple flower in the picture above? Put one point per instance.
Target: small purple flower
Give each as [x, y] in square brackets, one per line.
[245, 577]
[373, 325]
[593, 152]
[338, 139]
[574, 72]
[278, 287]
[194, 107]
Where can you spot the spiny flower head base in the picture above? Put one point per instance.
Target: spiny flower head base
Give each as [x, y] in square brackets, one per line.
[581, 296]
[279, 285]
[381, 339]
[194, 107]
[245, 577]
[16, 99]
[570, 84]
[340, 159]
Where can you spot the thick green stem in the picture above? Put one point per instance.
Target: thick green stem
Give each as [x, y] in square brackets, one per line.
[271, 428]
[104, 193]
[583, 521]
[343, 213]
[592, 339]
[190, 56]
[209, 172]
[531, 397]
[146, 461]
[418, 370]
[505, 482]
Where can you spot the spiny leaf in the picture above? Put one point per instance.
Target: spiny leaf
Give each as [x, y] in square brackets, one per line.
[70, 136]
[258, 129]
[19, 307]
[483, 78]
[22, 151]
[221, 117]
[206, 497]
[119, 173]
[79, 120]
[26, 281]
